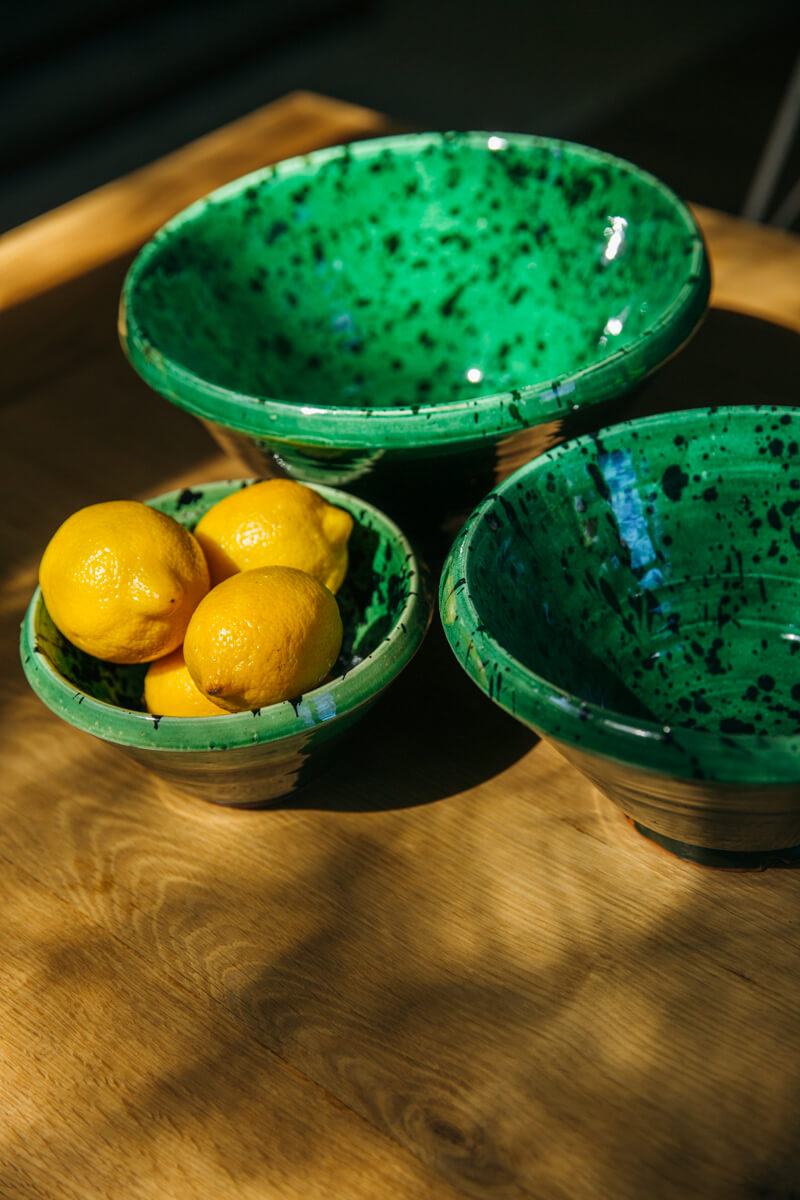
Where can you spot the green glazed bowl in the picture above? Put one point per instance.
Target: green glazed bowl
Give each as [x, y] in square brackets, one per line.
[635, 597]
[413, 317]
[254, 758]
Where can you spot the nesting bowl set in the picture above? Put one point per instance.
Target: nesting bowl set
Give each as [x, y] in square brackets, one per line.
[445, 328]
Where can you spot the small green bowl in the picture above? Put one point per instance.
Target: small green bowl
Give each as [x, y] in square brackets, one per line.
[413, 317]
[635, 597]
[254, 758]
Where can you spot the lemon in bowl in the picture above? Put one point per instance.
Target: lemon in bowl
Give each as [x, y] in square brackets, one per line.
[276, 522]
[121, 580]
[249, 758]
[261, 636]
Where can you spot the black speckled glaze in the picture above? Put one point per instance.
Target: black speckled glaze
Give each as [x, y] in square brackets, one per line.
[636, 596]
[373, 305]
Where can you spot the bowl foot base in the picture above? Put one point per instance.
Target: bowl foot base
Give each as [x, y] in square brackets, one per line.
[726, 860]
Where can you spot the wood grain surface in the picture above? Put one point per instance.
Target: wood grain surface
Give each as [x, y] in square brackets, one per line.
[756, 268]
[449, 968]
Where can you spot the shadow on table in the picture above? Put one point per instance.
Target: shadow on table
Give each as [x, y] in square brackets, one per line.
[432, 734]
[558, 1047]
[523, 995]
[733, 359]
[524, 1011]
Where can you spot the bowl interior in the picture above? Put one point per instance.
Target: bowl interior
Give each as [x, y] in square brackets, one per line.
[653, 572]
[379, 593]
[363, 276]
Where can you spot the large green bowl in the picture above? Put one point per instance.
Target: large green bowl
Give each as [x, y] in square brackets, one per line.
[412, 317]
[635, 597]
[254, 758]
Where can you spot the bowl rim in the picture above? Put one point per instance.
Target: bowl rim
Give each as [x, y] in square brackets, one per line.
[350, 691]
[578, 724]
[465, 421]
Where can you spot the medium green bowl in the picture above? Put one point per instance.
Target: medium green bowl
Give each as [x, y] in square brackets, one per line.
[254, 758]
[635, 597]
[413, 317]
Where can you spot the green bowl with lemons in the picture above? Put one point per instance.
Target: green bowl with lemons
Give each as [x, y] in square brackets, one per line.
[256, 757]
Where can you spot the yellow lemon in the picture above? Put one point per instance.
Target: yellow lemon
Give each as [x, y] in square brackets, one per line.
[276, 523]
[262, 636]
[121, 580]
[170, 691]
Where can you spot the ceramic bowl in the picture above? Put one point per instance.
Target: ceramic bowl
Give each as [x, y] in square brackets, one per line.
[413, 317]
[254, 758]
[635, 597]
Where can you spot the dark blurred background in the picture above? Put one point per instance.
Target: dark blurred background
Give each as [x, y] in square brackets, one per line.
[689, 89]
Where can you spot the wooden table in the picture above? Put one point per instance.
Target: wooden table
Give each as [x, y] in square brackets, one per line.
[450, 968]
